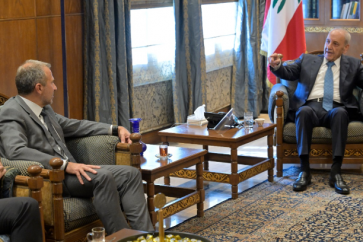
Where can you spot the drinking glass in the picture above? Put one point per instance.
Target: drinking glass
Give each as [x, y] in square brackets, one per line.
[97, 235]
[248, 120]
[163, 150]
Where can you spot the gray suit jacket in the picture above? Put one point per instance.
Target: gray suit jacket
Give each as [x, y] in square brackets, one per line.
[23, 136]
[306, 68]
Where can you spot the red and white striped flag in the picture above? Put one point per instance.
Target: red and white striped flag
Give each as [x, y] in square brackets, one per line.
[283, 31]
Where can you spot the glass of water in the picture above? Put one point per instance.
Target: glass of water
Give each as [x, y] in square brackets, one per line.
[248, 120]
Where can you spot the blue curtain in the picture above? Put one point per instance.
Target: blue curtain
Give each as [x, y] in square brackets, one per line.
[249, 91]
[108, 84]
[189, 81]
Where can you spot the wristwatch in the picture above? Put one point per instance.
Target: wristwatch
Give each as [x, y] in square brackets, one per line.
[115, 130]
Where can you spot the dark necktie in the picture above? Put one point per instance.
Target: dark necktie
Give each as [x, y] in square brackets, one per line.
[58, 145]
[328, 88]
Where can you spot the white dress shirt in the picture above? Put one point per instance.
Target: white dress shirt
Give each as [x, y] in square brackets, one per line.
[318, 88]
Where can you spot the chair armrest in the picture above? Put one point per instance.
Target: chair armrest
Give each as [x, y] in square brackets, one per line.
[272, 101]
[30, 186]
[106, 150]
[358, 93]
[52, 194]
[95, 150]
[22, 165]
[129, 154]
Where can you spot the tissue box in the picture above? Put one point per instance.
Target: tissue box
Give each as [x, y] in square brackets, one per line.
[192, 121]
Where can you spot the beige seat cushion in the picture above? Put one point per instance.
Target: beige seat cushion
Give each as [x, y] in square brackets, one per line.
[322, 135]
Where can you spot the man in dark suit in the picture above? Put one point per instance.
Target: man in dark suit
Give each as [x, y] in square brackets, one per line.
[323, 97]
[31, 130]
[20, 217]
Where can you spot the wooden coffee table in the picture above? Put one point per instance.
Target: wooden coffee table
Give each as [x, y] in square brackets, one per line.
[153, 168]
[232, 138]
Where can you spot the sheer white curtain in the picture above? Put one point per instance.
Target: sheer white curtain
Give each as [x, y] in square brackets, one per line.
[219, 30]
[153, 40]
[153, 44]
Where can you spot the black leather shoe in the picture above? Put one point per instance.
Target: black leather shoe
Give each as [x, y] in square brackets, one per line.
[339, 184]
[302, 181]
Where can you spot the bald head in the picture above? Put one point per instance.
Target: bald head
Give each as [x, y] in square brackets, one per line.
[29, 74]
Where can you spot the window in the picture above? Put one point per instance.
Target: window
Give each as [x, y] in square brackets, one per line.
[219, 30]
[153, 44]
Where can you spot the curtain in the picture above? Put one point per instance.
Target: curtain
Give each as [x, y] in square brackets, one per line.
[189, 80]
[248, 79]
[108, 84]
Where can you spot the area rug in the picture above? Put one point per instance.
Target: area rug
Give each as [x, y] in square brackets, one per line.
[273, 212]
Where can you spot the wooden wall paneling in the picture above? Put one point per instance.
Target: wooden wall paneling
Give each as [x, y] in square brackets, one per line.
[50, 50]
[48, 7]
[17, 44]
[10, 9]
[74, 40]
[315, 41]
[356, 47]
[73, 6]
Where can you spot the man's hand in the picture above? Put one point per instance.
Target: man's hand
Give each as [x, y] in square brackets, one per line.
[80, 169]
[274, 60]
[124, 135]
[2, 170]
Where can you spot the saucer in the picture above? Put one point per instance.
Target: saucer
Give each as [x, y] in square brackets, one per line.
[163, 157]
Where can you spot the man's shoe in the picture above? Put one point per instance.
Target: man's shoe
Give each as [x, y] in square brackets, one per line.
[339, 184]
[302, 181]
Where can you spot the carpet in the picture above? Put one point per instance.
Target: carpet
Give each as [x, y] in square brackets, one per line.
[273, 212]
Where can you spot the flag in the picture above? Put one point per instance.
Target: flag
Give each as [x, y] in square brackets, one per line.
[283, 31]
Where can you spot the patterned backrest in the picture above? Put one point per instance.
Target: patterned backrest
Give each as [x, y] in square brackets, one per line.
[97, 150]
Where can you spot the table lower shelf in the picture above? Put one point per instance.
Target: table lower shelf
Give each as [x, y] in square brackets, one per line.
[186, 197]
[222, 177]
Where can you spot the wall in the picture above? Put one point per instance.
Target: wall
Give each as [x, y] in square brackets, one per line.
[31, 29]
[154, 102]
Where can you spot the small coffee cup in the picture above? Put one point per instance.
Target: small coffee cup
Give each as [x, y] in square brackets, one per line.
[97, 235]
[260, 121]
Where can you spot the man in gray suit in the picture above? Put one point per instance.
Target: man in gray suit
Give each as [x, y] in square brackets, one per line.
[323, 97]
[31, 130]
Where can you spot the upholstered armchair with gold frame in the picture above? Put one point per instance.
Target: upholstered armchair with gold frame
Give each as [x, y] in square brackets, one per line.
[25, 183]
[321, 147]
[70, 219]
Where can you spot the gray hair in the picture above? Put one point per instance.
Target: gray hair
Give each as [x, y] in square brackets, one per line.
[346, 34]
[29, 74]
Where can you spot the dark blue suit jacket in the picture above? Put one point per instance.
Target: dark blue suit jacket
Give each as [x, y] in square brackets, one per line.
[305, 69]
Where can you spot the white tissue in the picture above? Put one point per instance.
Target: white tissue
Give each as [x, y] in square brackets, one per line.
[198, 117]
[199, 112]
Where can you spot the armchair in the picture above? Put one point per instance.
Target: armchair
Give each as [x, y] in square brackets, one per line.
[321, 148]
[15, 184]
[70, 219]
